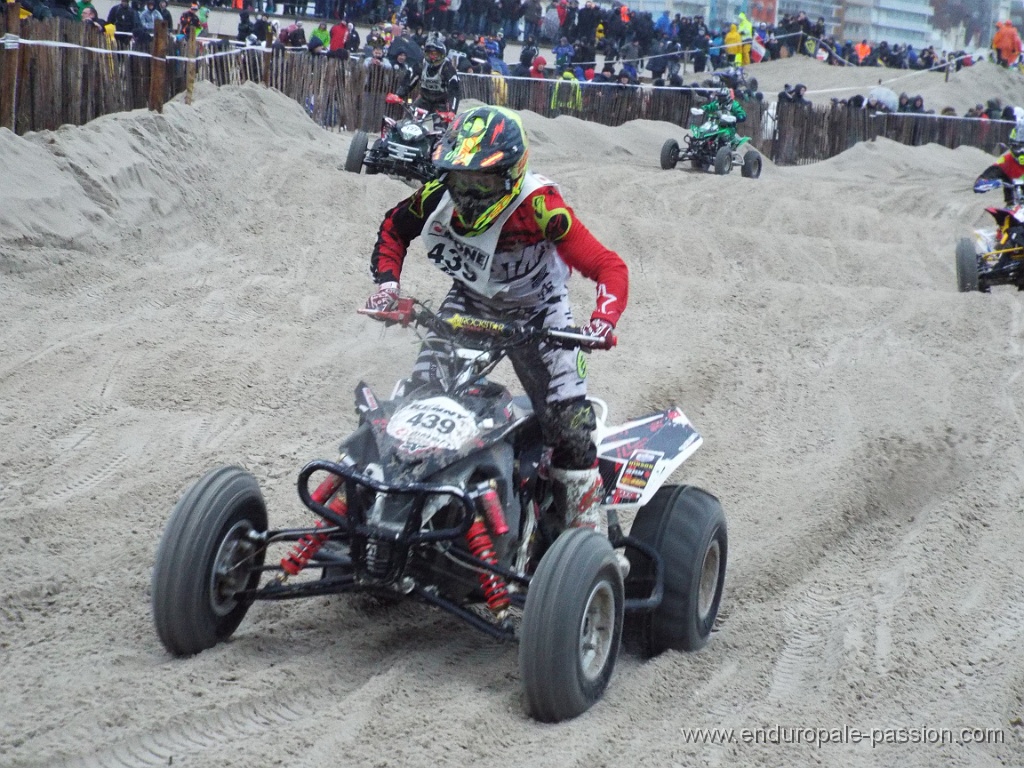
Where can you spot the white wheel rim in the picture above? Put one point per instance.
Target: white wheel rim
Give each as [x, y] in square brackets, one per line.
[597, 630]
[708, 587]
[228, 576]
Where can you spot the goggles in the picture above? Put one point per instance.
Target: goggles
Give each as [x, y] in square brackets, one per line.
[475, 184]
[433, 56]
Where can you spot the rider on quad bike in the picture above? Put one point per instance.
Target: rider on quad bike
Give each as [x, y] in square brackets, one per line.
[438, 83]
[509, 240]
[724, 105]
[1004, 172]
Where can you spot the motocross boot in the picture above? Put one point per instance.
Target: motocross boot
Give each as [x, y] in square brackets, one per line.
[578, 494]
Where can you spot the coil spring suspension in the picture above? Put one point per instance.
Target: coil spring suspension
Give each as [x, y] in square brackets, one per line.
[309, 544]
[482, 548]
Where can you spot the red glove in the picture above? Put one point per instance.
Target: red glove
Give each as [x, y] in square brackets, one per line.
[384, 299]
[393, 98]
[601, 331]
[446, 116]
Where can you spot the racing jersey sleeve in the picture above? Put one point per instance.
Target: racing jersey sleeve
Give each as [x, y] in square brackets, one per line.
[1009, 164]
[401, 225]
[556, 221]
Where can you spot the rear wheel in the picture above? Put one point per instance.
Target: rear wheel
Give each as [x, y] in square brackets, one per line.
[752, 162]
[686, 526]
[669, 154]
[723, 160]
[356, 152]
[207, 556]
[966, 265]
[572, 626]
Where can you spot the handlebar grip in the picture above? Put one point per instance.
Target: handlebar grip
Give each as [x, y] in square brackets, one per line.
[403, 313]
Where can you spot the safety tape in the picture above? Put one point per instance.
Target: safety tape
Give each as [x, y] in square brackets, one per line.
[12, 41]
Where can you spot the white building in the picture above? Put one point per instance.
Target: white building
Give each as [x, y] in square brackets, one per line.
[895, 21]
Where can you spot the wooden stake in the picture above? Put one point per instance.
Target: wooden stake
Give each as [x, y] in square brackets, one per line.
[9, 70]
[158, 67]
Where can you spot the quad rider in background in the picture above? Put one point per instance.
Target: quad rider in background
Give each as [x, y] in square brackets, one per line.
[438, 82]
[1003, 173]
[724, 107]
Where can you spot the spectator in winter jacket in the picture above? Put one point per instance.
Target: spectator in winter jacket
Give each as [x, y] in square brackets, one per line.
[123, 18]
[189, 24]
[337, 37]
[733, 45]
[564, 53]
[746, 30]
[1006, 43]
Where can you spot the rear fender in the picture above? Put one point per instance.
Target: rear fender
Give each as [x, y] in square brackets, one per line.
[638, 456]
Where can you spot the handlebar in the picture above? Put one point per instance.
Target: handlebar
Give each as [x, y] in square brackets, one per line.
[407, 312]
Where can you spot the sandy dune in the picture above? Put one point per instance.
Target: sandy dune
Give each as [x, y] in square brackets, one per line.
[178, 292]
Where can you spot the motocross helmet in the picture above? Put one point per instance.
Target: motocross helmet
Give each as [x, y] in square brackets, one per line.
[434, 52]
[483, 156]
[725, 97]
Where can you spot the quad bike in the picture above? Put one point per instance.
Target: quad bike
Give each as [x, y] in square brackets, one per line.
[736, 78]
[713, 143]
[995, 256]
[442, 495]
[404, 147]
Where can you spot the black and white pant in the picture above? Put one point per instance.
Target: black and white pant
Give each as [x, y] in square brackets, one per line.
[554, 377]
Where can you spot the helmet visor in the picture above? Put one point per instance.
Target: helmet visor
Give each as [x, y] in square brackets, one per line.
[433, 55]
[477, 195]
[480, 185]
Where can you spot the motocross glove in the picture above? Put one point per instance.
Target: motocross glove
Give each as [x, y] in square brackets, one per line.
[986, 185]
[384, 299]
[728, 119]
[446, 116]
[393, 98]
[601, 331]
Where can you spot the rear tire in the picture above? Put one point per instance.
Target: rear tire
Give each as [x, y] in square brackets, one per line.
[669, 154]
[572, 626]
[752, 162]
[966, 265]
[687, 527]
[723, 160]
[357, 152]
[206, 556]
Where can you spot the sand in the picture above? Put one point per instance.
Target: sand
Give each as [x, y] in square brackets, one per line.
[177, 292]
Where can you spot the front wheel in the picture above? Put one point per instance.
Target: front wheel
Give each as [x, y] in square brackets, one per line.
[572, 626]
[686, 526]
[669, 154]
[723, 160]
[210, 552]
[751, 168]
[966, 265]
[357, 152]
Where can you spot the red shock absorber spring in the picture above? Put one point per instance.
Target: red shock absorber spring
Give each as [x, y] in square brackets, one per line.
[482, 548]
[308, 545]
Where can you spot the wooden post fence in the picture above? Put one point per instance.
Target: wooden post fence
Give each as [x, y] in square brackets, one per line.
[9, 68]
[158, 67]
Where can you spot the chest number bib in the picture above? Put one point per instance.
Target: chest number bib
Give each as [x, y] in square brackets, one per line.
[458, 261]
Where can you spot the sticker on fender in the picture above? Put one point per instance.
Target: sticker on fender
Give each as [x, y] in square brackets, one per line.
[637, 471]
[437, 422]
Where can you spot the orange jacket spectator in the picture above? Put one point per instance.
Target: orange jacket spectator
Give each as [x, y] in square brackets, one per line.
[863, 50]
[1006, 43]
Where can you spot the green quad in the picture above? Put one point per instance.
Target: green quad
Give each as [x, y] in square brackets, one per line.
[713, 143]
